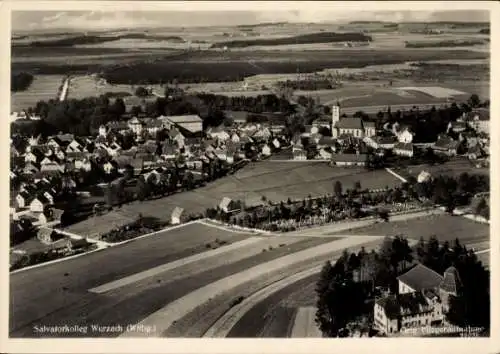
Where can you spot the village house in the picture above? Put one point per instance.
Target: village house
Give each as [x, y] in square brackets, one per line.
[218, 133]
[456, 127]
[31, 168]
[235, 138]
[266, 150]
[50, 215]
[39, 203]
[177, 216]
[238, 117]
[109, 167]
[121, 127]
[23, 199]
[349, 159]
[175, 135]
[152, 125]
[34, 156]
[83, 164]
[169, 151]
[403, 149]
[51, 165]
[382, 142]
[135, 125]
[475, 152]
[326, 153]
[75, 146]
[446, 145]
[479, 120]
[404, 135]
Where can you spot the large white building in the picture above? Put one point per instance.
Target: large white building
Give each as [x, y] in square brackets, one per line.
[354, 126]
[421, 301]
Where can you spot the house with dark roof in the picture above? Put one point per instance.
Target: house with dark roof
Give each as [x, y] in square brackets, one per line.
[418, 278]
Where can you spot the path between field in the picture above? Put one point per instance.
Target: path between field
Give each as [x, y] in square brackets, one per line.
[172, 265]
[401, 178]
[174, 311]
[304, 325]
[224, 324]
[225, 228]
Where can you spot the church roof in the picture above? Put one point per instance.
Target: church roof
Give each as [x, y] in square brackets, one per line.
[350, 123]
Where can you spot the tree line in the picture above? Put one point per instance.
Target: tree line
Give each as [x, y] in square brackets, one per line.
[20, 81]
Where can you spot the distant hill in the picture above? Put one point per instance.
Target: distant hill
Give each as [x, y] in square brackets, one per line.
[263, 24]
[319, 37]
[94, 39]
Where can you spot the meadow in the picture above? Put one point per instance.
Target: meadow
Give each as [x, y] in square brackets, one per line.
[445, 227]
[276, 181]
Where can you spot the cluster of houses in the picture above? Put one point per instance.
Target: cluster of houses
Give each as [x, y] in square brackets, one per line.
[421, 301]
[37, 163]
[349, 136]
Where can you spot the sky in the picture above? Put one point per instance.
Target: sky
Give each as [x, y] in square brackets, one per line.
[99, 20]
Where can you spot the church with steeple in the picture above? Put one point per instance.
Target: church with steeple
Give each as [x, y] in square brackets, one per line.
[350, 126]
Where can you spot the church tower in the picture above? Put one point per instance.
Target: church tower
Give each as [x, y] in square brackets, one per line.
[335, 119]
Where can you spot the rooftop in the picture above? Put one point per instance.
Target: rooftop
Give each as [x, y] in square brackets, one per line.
[350, 123]
[420, 277]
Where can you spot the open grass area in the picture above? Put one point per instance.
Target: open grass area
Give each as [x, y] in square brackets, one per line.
[277, 181]
[451, 168]
[40, 291]
[445, 227]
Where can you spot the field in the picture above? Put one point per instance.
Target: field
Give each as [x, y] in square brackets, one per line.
[444, 227]
[277, 181]
[42, 88]
[451, 168]
[66, 291]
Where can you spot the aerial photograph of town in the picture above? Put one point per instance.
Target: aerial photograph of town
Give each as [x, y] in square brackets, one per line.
[247, 174]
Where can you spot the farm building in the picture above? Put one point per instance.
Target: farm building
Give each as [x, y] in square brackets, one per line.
[403, 149]
[178, 216]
